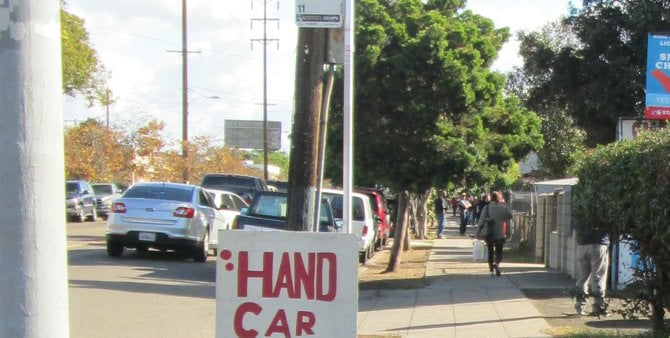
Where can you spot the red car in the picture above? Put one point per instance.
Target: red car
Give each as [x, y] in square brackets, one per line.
[380, 210]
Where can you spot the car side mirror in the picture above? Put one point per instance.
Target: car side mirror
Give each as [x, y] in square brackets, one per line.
[338, 224]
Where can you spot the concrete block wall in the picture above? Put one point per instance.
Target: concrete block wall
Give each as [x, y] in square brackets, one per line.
[554, 222]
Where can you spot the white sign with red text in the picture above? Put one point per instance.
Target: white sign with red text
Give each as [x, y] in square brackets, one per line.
[286, 284]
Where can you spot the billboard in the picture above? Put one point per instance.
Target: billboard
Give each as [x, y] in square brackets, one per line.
[248, 134]
[657, 97]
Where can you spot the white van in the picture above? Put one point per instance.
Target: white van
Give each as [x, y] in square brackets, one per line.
[363, 222]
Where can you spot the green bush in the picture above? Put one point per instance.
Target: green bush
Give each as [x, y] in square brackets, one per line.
[625, 186]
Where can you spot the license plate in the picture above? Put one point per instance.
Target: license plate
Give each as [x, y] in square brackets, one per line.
[147, 236]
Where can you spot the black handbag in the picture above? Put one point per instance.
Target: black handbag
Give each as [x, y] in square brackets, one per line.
[486, 229]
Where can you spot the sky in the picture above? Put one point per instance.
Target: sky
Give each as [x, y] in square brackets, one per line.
[139, 43]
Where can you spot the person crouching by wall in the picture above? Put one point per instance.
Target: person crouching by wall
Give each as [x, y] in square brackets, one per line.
[592, 265]
[499, 212]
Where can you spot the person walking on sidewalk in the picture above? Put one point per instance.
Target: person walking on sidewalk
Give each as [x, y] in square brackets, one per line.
[592, 265]
[441, 206]
[454, 205]
[499, 212]
[463, 206]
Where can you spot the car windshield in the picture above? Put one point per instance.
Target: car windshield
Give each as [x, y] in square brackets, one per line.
[336, 204]
[270, 205]
[71, 187]
[160, 193]
[102, 189]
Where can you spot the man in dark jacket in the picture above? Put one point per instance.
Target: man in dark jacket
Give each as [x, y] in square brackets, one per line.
[441, 206]
[592, 265]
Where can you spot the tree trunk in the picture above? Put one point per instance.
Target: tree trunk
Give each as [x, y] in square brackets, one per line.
[400, 233]
[422, 232]
[412, 221]
[657, 309]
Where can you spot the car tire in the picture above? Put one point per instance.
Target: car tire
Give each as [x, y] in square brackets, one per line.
[114, 249]
[362, 257]
[93, 216]
[80, 216]
[371, 251]
[202, 249]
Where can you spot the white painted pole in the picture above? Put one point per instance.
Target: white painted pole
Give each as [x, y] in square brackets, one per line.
[347, 162]
[33, 253]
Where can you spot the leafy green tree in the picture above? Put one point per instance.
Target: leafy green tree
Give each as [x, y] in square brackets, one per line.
[428, 112]
[564, 141]
[598, 74]
[82, 71]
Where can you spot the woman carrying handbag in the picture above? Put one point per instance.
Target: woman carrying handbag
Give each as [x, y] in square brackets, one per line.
[490, 228]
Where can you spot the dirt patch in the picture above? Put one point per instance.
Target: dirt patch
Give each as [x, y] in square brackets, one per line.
[373, 276]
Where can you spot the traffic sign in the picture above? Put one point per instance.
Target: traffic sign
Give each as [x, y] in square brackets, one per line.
[319, 13]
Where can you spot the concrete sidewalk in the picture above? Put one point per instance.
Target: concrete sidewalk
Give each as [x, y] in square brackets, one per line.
[461, 299]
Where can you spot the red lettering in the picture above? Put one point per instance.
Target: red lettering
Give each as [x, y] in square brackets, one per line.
[238, 320]
[329, 259]
[304, 276]
[279, 325]
[284, 278]
[244, 274]
[316, 275]
[305, 323]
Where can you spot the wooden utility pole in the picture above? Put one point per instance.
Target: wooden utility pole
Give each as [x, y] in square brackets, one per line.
[311, 54]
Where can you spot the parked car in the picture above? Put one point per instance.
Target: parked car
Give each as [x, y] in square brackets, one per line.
[363, 221]
[268, 211]
[164, 216]
[244, 186]
[80, 201]
[378, 204]
[229, 205]
[105, 194]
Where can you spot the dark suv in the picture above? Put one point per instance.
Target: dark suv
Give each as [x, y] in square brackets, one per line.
[80, 201]
[244, 186]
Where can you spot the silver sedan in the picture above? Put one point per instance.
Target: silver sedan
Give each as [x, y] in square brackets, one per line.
[163, 216]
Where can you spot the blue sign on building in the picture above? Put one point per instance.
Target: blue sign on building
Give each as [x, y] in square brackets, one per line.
[657, 100]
